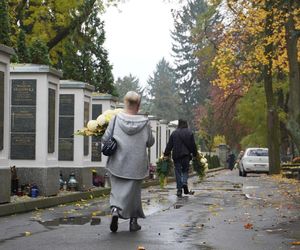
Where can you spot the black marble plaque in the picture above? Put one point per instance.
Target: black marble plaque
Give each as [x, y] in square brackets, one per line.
[65, 150]
[51, 120]
[22, 146]
[1, 109]
[86, 119]
[96, 149]
[96, 143]
[66, 104]
[23, 119]
[66, 127]
[23, 92]
[96, 111]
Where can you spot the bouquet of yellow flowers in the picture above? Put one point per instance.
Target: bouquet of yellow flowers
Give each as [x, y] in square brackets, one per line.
[163, 166]
[97, 127]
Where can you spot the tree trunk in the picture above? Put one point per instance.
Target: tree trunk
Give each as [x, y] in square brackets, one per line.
[63, 33]
[272, 114]
[293, 123]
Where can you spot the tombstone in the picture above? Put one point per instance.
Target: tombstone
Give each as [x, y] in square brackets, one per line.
[222, 152]
[74, 152]
[100, 103]
[34, 125]
[5, 175]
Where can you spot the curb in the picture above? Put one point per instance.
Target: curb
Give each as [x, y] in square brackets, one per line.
[46, 202]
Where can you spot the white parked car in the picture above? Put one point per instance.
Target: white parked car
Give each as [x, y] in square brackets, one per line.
[254, 160]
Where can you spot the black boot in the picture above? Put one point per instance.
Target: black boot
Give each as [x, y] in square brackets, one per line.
[179, 192]
[114, 220]
[185, 189]
[133, 225]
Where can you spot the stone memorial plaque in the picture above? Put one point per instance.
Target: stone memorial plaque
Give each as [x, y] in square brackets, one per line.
[66, 104]
[22, 146]
[96, 111]
[23, 92]
[96, 149]
[1, 109]
[65, 150]
[86, 115]
[51, 120]
[66, 127]
[96, 143]
[23, 119]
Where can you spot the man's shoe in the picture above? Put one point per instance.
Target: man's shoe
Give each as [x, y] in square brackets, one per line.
[185, 189]
[133, 225]
[179, 192]
[114, 220]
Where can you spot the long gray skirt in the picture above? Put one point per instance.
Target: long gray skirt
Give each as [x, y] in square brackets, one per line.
[126, 195]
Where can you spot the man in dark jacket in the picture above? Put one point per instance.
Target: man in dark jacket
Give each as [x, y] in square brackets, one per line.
[183, 146]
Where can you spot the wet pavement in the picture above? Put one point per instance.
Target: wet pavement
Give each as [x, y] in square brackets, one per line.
[226, 212]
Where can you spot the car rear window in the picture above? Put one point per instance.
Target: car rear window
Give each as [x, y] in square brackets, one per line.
[258, 152]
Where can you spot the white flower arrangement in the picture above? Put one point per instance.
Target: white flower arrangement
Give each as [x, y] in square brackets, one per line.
[200, 165]
[97, 127]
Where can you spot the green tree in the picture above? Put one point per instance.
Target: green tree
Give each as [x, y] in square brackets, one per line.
[164, 99]
[22, 50]
[208, 128]
[39, 53]
[86, 59]
[255, 122]
[71, 31]
[4, 23]
[127, 83]
[192, 91]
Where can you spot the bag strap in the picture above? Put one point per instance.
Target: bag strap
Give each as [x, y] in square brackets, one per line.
[112, 133]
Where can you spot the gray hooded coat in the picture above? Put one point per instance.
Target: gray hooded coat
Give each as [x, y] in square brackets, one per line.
[133, 135]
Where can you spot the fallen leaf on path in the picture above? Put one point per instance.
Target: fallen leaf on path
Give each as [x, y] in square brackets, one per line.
[297, 243]
[27, 233]
[248, 226]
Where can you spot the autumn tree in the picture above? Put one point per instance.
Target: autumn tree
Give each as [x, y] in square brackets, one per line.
[71, 32]
[292, 29]
[254, 49]
[85, 59]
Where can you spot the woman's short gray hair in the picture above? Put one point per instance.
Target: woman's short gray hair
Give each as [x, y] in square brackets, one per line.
[132, 99]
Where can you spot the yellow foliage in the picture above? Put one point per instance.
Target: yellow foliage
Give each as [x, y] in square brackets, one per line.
[241, 52]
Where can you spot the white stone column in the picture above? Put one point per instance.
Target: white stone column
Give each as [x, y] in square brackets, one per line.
[154, 154]
[5, 175]
[163, 135]
[74, 113]
[34, 125]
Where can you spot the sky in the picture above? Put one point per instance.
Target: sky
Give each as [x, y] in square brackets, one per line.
[138, 37]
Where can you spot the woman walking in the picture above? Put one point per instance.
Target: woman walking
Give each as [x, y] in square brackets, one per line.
[128, 166]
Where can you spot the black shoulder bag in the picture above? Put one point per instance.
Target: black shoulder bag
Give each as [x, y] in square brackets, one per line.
[110, 146]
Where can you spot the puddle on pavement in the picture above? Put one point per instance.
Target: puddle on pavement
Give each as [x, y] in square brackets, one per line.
[73, 220]
[79, 220]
